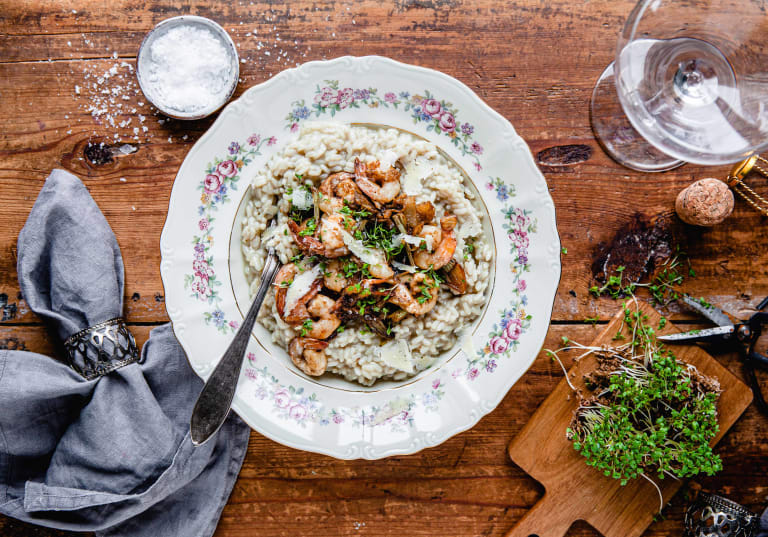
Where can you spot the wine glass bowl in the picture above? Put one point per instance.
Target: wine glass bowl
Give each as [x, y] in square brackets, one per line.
[691, 77]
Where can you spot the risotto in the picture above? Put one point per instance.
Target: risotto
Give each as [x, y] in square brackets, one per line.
[385, 258]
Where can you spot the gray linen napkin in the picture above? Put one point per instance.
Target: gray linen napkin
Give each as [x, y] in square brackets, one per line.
[112, 454]
[762, 529]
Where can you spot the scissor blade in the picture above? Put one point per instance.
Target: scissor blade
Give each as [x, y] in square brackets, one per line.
[719, 333]
[709, 311]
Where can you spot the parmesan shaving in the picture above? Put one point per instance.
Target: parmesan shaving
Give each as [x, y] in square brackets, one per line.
[402, 266]
[372, 256]
[415, 173]
[412, 240]
[300, 286]
[397, 354]
[301, 199]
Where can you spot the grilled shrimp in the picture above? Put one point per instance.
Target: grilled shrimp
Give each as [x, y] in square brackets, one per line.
[406, 294]
[380, 186]
[339, 189]
[443, 249]
[331, 227]
[313, 246]
[333, 277]
[321, 308]
[308, 354]
[283, 279]
[381, 270]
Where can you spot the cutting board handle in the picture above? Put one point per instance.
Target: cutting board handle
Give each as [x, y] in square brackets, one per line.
[548, 518]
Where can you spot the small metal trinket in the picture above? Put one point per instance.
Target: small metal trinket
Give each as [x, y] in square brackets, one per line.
[101, 348]
[711, 515]
[736, 182]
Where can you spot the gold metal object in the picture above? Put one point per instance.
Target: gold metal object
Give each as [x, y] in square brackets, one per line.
[736, 182]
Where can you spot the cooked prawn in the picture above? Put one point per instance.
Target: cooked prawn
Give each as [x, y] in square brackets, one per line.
[380, 186]
[381, 270]
[283, 279]
[333, 276]
[443, 250]
[339, 189]
[421, 286]
[313, 246]
[324, 321]
[308, 354]
[331, 228]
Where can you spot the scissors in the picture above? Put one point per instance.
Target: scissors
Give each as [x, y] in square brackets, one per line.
[743, 335]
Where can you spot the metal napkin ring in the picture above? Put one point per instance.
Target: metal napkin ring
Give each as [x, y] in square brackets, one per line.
[101, 348]
[711, 515]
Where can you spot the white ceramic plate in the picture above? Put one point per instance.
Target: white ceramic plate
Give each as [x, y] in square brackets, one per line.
[206, 291]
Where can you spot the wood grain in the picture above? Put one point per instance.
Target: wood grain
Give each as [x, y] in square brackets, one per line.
[533, 61]
[576, 491]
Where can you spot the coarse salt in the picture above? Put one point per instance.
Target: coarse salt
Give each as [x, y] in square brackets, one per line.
[189, 69]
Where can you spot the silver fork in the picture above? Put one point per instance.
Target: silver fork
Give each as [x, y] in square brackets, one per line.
[214, 401]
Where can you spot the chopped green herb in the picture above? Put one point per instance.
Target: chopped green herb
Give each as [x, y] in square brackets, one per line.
[564, 250]
[306, 327]
[309, 229]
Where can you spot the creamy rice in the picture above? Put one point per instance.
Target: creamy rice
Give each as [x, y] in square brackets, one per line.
[323, 148]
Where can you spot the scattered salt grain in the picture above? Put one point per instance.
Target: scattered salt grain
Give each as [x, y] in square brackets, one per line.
[123, 179]
[189, 69]
[127, 149]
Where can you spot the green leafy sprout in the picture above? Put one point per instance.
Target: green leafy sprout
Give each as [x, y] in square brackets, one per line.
[647, 414]
[663, 287]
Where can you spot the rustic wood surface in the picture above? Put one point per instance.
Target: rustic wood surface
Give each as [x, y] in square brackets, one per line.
[542, 450]
[534, 61]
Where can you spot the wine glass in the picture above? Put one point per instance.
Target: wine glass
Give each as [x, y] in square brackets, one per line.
[689, 84]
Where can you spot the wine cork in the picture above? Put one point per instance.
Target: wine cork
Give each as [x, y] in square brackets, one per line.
[705, 203]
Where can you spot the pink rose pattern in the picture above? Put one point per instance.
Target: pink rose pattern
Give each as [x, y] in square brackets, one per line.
[437, 115]
[294, 404]
[220, 177]
[228, 168]
[505, 336]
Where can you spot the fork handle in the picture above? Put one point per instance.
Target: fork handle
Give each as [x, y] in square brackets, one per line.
[215, 399]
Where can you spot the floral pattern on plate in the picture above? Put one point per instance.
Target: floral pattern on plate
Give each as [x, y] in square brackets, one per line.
[505, 335]
[222, 176]
[295, 404]
[438, 115]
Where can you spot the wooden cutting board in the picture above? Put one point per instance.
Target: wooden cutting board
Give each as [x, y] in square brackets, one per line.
[575, 491]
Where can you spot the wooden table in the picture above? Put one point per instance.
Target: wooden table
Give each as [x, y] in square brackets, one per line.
[534, 61]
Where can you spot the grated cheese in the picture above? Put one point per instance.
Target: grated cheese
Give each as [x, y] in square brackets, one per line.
[403, 266]
[398, 355]
[300, 286]
[301, 199]
[415, 173]
[372, 256]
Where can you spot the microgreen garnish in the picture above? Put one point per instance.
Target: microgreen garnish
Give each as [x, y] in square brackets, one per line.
[648, 415]
[309, 229]
[469, 247]
[306, 327]
[663, 287]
